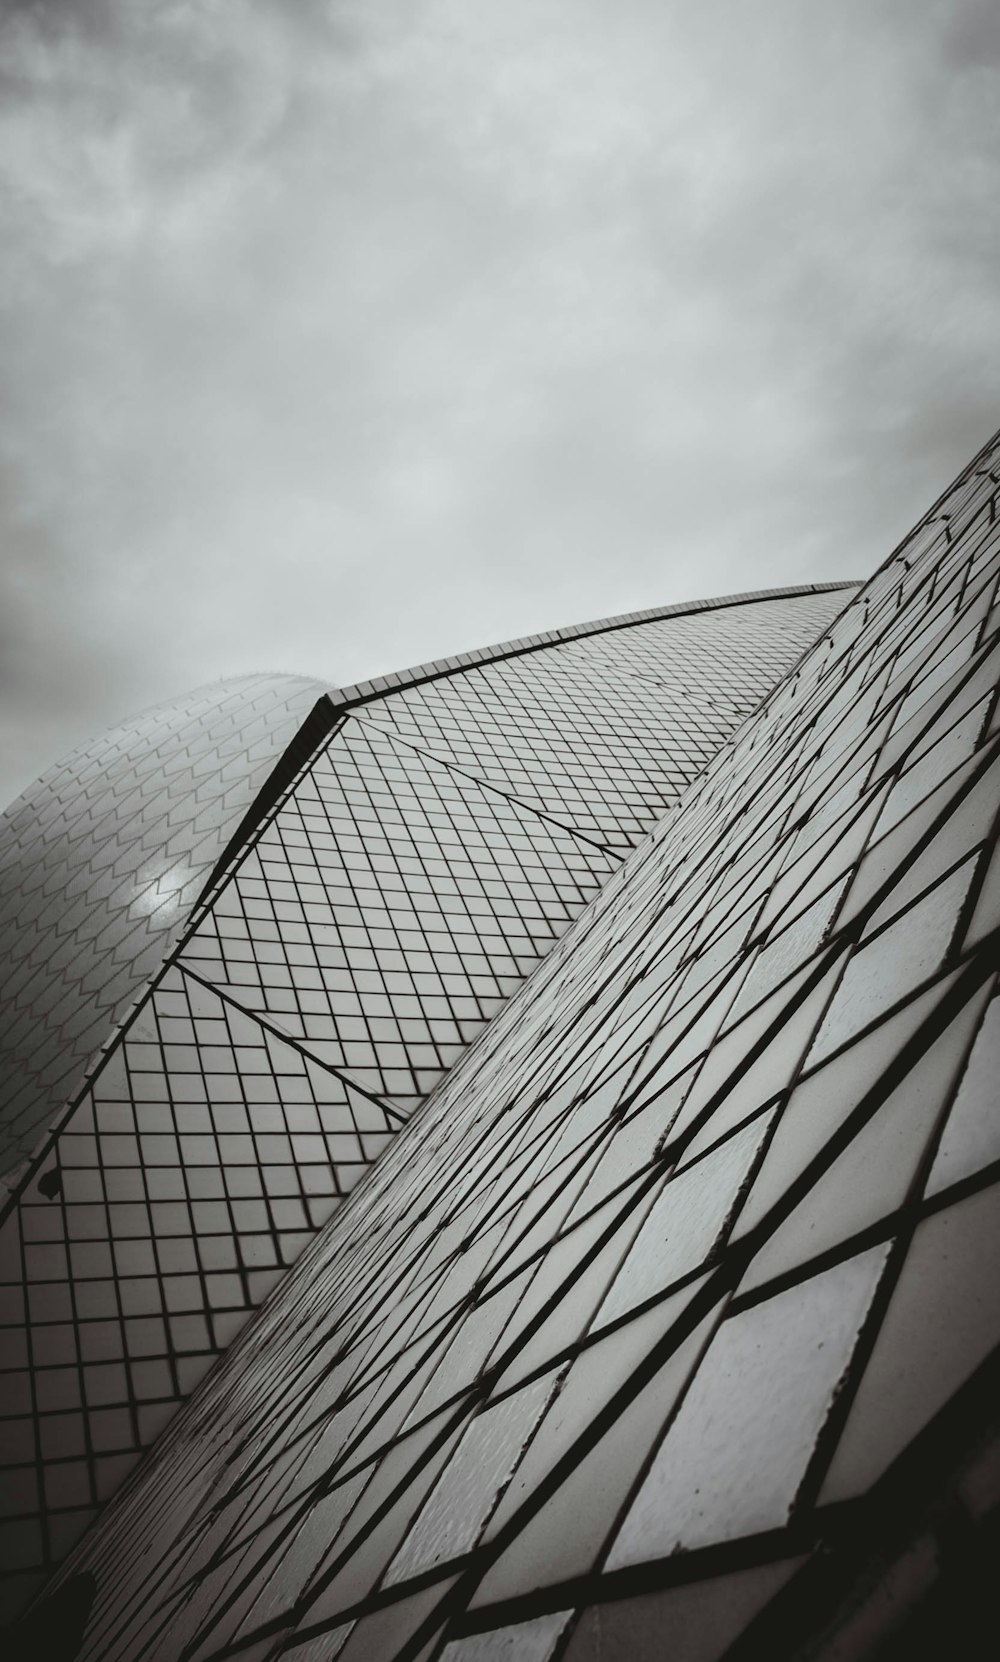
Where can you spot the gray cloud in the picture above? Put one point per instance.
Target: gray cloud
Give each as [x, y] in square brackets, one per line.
[336, 337]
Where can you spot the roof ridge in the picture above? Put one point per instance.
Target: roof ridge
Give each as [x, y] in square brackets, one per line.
[364, 692]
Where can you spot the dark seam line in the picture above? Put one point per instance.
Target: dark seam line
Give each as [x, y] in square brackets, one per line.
[655, 1575]
[868, 1335]
[366, 692]
[702, 1303]
[907, 1216]
[286, 1038]
[487, 787]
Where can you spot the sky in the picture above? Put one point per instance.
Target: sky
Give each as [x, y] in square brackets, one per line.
[335, 337]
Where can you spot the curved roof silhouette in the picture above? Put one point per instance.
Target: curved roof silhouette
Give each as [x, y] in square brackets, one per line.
[101, 862]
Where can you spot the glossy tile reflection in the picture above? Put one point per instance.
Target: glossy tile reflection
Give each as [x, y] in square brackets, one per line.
[101, 863]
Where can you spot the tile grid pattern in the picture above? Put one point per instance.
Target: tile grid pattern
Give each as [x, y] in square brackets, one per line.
[101, 862]
[603, 734]
[389, 909]
[364, 691]
[93, 858]
[686, 1259]
[380, 918]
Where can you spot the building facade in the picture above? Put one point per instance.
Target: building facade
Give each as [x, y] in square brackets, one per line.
[101, 863]
[246, 934]
[651, 970]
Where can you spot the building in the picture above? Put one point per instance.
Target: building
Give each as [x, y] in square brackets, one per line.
[654, 962]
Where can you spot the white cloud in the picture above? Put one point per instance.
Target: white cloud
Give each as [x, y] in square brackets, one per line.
[335, 337]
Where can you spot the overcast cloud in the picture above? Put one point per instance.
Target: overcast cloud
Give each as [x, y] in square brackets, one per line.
[338, 336]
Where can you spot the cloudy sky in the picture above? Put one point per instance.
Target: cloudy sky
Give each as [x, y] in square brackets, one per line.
[339, 335]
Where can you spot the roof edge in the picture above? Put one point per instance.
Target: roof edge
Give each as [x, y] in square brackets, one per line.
[365, 692]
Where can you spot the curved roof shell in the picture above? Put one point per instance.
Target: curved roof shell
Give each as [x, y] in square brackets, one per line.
[670, 1325]
[404, 868]
[101, 861]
